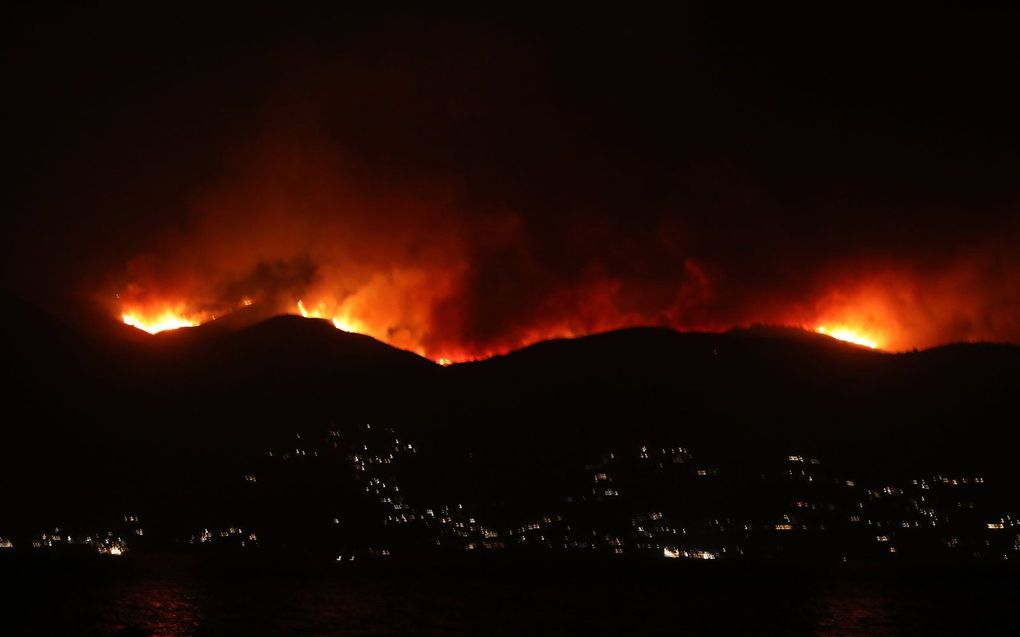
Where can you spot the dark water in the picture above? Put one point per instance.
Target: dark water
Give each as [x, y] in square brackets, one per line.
[178, 596]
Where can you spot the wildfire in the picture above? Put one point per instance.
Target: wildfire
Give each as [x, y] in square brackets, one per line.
[340, 322]
[160, 322]
[848, 335]
[168, 318]
[864, 321]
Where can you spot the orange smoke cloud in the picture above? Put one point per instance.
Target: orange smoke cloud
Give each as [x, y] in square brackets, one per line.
[424, 307]
[425, 268]
[903, 307]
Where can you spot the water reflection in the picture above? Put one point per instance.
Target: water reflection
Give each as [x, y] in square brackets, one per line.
[171, 599]
[154, 607]
[847, 609]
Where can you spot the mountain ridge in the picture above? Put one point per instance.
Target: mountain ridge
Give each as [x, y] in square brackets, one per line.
[162, 418]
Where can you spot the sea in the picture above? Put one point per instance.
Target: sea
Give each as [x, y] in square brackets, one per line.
[181, 595]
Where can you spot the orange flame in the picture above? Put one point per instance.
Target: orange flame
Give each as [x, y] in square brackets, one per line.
[342, 322]
[428, 267]
[848, 335]
[160, 321]
[170, 317]
[410, 309]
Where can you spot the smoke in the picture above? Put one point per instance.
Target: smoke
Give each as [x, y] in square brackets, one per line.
[423, 266]
[462, 192]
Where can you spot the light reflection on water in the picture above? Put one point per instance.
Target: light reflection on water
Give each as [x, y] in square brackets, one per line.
[200, 601]
[846, 610]
[155, 607]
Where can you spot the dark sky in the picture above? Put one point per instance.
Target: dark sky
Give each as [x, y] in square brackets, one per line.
[491, 179]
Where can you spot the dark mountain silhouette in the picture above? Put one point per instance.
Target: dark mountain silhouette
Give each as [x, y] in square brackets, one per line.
[103, 422]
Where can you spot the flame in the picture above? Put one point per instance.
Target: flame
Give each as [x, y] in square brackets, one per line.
[161, 321]
[423, 313]
[848, 335]
[342, 325]
[342, 322]
[170, 317]
[427, 266]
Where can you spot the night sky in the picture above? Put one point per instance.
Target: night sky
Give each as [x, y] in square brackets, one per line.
[459, 184]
